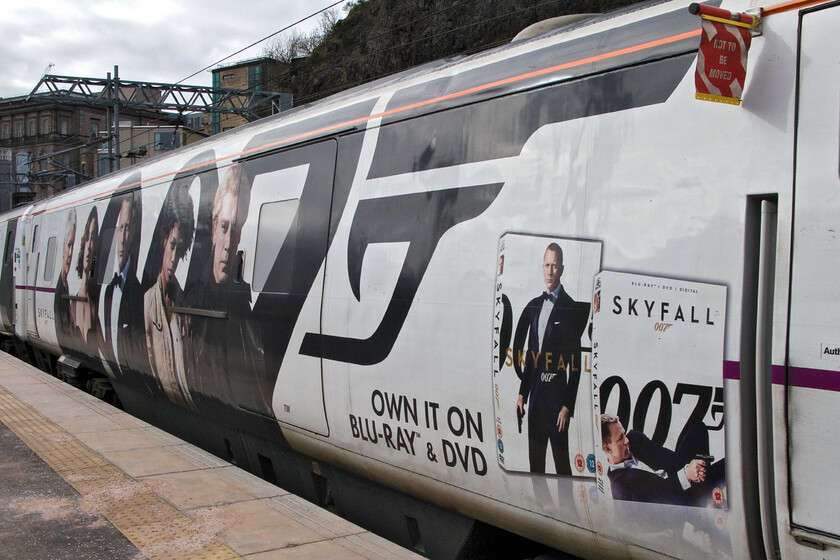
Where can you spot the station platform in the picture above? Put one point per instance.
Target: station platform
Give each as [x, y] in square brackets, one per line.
[99, 483]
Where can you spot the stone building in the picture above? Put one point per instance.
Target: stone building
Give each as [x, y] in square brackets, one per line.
[47, 146]
[258, 74]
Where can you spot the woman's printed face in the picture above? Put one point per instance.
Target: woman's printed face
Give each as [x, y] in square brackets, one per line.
[170, 250]
[91, 237]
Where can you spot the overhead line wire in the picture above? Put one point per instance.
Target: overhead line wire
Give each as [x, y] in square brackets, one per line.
[135, 135]
[362, 56]
[354, 45]
[384, 33]
[269, 81]
[334, 4]
[337, 89]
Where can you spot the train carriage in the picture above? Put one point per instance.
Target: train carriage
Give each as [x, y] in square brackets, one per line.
[550, 288]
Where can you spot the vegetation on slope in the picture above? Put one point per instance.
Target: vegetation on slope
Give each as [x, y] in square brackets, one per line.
[381, 37]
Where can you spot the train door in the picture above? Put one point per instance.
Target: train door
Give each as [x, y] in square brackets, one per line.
[33, 256]
[20, 245]
[288, 225]
[813, 372]
[7, 288]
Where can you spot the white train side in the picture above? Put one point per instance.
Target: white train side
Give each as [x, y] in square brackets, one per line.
[447, 296]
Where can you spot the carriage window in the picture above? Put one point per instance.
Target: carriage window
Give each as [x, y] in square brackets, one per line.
[10, 239]
[34, 240]
[49, 266]
[276, 220]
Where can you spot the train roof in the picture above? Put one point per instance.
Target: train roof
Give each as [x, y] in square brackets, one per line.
[628, 36]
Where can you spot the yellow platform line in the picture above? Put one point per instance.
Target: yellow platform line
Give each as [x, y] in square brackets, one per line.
[153, 525]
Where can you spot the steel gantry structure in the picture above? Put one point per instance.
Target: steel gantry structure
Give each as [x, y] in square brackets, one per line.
[114, 93]
[158, 101]
[154, 96]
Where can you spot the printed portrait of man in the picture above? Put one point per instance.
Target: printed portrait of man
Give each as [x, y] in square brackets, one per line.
[641, 470]
[228, 343]
[63, 310]
[551, 374]
[122, 299]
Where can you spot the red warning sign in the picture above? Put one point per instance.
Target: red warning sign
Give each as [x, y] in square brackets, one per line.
[717, 496]
[722, 60]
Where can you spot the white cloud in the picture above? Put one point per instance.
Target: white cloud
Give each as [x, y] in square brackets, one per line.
[150, 40]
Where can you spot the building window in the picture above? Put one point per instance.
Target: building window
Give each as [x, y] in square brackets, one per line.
[65, 126]
[45, 125]
[255, 77]
[94, 127]
[10, 244]
[166, 141]
[22, 163]
[103, 164]
[18, 129]
[194, 121]
[33, 127]
[7, 130]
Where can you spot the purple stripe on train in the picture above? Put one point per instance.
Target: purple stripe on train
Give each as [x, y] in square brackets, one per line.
[35, 288]
[807, 378]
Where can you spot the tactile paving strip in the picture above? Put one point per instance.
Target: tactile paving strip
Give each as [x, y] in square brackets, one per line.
[154, 526]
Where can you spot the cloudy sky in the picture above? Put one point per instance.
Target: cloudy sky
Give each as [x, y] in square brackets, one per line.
[150, 40]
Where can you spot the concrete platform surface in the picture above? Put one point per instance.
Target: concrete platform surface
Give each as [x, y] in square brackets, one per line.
[99, 483]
